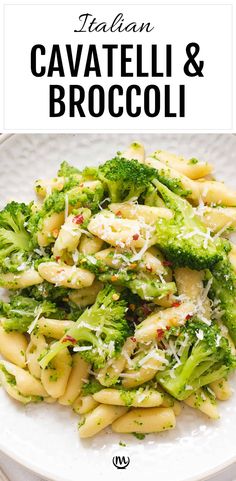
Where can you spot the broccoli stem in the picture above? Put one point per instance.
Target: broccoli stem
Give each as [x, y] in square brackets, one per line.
[76, 333]
[146, 289]
[150, 290]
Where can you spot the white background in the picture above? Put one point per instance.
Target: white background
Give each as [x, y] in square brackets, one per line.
[209, 100]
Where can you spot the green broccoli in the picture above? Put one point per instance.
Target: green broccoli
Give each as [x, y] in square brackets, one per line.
[48, 291]
[66, 170]
[152, 198]
[20, 312]
[101, 330]
[15, 241]
[87, 194]
[174, 184]
[197, 356]
[184, 240]
[91, 387]
[124, 179]
[77, 196]
[58, 296]
[147, 288]
[90, 173]
[223, 293]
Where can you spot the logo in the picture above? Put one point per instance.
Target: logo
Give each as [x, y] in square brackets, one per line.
[121, 462]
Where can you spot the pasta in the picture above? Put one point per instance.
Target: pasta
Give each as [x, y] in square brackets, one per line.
[13, 347]
[173, 316]
[35, 347]
[222, 389]
[79, 373]
[90, 245]
[84, 404]
[86, 295]
[216, 193]
[27, 278]
[121, 294]
[203, 402]
[192, 168]
[190, 285]
[19, 382]
[134, 211]
[147, 365]
[45, 187]
[55, 328]
[50, 228]
[65, 276]
[151, 420]
[120, 232]
[140, 398]
[101, 417]
[189, 185]
[219, 219]
[55, 378]
[111, 371]
[135, 151]
[68, 237]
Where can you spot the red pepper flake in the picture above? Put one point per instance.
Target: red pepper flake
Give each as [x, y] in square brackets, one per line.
[78, 219]
[69, 339]
[188, 317]
[149, 269]
[135, 236]
[160, 333]
[119, 214]
[133, 339]
[166, 263]
[167, 328]
[57, 258]
[176, 304]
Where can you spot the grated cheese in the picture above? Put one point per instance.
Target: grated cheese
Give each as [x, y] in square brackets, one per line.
[82, 348]
[34, 322]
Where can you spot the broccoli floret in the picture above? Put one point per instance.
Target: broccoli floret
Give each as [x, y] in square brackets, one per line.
[223, 290]
[90, 173]
[77, 196]
[46, 290]
[66, 170]
[152, 198]
[91, 387]
[15, 240]
[58, 295]
[102, 329]
[174, 184]
[145, 287]
[124, 179]
[92, 264]
[20, 312]
[183, 239]
[197, 356]
[73, 195]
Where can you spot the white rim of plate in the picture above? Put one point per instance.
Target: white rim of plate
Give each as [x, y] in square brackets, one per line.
[46, 474]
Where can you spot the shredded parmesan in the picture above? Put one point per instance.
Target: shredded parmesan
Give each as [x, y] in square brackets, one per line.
[34, 322]
[82, 348]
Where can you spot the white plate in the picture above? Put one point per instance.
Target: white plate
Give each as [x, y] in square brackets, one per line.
[44, 438]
